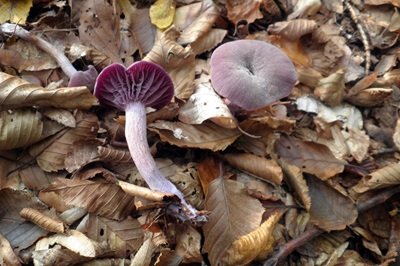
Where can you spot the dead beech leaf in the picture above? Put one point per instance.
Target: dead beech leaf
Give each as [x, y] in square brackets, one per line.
[81, 153]
[98, 23]
[259, 242]
[233, 214]
[195, 21]
[293, 29]
[19, 128]
[330, 90]
[208, 41]
[205, 104]
[357, 142]
[247, 10]
[104, 199]
[381, 178]
[51, 154]
[382, 2]
[42, 220]
[7, 255]
[330, 210]
[142, 29]
[124, 237]
[109, 154]
[208, 170]
[396, 134]
[63, 117]
[205, 136]
[162, 13]
[143, 192]
[265, 169]
[15, 12]
[57, 255]
[145, 252]
[370, 97]
[310, 157]
[17, 93]
[189, 244]
[304, 8]
[178, 61]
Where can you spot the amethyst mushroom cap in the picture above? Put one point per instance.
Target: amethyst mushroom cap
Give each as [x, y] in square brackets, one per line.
[143, 84]
[251, 74]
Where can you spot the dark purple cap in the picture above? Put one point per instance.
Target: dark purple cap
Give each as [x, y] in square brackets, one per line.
[143, 82]
[251, 74]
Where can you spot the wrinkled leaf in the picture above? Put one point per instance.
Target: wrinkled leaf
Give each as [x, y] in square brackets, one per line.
[17, 93]
[7, 255]
[247, 10]
[330, 90]
[63, 117]
[41, 219]
[208, 41]
[293, 29]
[233, 214]
[204, 136]
[189, 244]
[14, 11]
[81, 153]
[162, 13]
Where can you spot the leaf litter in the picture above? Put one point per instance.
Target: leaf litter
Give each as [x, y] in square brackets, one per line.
[321, 164]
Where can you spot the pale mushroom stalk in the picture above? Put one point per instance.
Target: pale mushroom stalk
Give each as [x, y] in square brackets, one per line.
[77, 78]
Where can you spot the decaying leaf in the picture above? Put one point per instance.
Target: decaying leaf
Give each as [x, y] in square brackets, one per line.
[370, 97]
[189, 244]
[104, 199]
[293, 29]
[19, 128]
[208, 41]
[143, 192]
[396, 134]
[243, 10]
[206, 104]
[232, 214]
[17, 93]
[208, 170]
[81, 153]
[7, 255]
[381, 178]
[145, 252]
[204, 136]
[330, 90]
[109, 154]
[124, 237]
[162, 13]
[14, 11]
[330, 210]
[311, 157]
[63, 117]
[304, 8]
[266, 169]
[259, 242]
[42, 220]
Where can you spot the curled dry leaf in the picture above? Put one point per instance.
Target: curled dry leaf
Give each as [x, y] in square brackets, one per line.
[308, 76]
[178, 61]
[205, 136]
[162, 13]
[110, 154]
[124, 237]
[208, 41]
[266, 169]
[81, 153]
[330, 210]
[311, 157]
[293, 29]
[370, 97]
[246, 10]
[233, 214]
[7, 255]
[250, 246]
[330, 90]
[143, 192]
[17, 93]
[63, 117]
[206, 104]
[381, 178]
[42, 220]
[19, 128]
[105, 199]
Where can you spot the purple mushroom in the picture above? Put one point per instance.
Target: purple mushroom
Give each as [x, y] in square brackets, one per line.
[133, 89]
[251, 74]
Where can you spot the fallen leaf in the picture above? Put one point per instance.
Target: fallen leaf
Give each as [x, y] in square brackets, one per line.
[144, 254]
[208, 170]
[204, 136]
[358, 143]
[41, 219]
[19, 128]
[14, 11]
[233, 214]
[189, 244]
[81, 153]
[61, 116]
[162, 13]
[243, 10]
[110, 154]
[208, 41]
[143, 30]
[330, 90]
[261, 167]
[17, 93]
[304, 8]
[310, 157]
[7, 255]
[205, 104]
[104, 199]
[293, 29]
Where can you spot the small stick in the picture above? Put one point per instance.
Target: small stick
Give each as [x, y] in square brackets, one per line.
[313, 231]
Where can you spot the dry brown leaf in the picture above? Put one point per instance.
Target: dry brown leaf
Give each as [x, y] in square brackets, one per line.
[195, 20]
[396, 135]
[57, 255]
[104, 199]
[330, 210]
[143, 192]
[308, 76]
[17, 93]
[233, 214]
[42, 220]
[330, 90]
[304, 8]
[178, 61]
[81, 153]
[205, 136]
[63, 117]
[208, 170]
[99, 21]
[259, 242]
[35, 178]
[169, 257]
[19, 128]
[243, 10]
[382, 2]
[143, 30]
[208, 41]
[189, 244]
[381, 178]
[110, 154]
[124, 237]
[265, 169]
[311, 157]
[51, 154]
[7, 255]
[129, 43]
[370, 97]
[357, 142]
[205, 104]
[293, 29]
[19, 232]
[145, 253]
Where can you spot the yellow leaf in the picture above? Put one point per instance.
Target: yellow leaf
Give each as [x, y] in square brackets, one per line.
[162, 13]
[14, 11]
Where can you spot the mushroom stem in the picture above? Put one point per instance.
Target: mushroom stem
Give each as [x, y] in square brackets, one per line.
[136, 137]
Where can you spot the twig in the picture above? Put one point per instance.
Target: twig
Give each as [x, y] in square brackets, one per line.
[313, 231]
